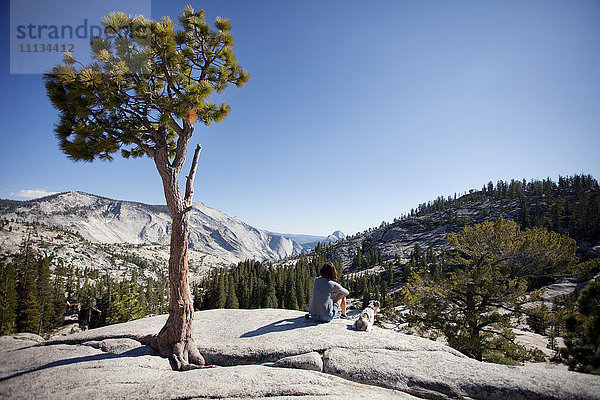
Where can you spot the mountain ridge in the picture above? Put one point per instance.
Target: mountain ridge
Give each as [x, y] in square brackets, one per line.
[571, 206]
[104, 220]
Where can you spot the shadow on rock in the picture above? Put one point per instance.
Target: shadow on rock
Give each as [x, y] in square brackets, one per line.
[279, 326]
[76, 360]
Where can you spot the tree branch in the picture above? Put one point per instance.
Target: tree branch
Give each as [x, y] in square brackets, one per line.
[185, 135]
[189, 185]
[147, 148]
[176, 127]
[511, 340]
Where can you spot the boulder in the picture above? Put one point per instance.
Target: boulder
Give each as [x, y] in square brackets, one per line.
[312, 361]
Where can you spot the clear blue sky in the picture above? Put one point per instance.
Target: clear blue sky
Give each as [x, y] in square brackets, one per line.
[356, 111]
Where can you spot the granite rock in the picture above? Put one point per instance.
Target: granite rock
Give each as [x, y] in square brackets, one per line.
[62, 371]
[244, 346]
[311, 361]
[441, 375]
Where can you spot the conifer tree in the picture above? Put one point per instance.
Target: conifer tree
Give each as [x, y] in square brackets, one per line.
[244, 293]
[271, 299]
[582, 336]
[118, 308]
[220, 293]
[8, 299]
[28, 310]
[152, 297]
[44, 286]
[231, 301]
[87, 304]
[147, 86]
[59, 301]
[292, 299]
[489, 268]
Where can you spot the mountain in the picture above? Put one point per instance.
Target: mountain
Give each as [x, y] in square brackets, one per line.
[571, 205]
[334, 237]
[309, 242]
[107, 221]
[301, 239]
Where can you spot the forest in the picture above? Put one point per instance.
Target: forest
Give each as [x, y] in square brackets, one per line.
[36, 299]
[571, 205]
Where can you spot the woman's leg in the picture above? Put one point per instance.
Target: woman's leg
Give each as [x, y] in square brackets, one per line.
[340, 299]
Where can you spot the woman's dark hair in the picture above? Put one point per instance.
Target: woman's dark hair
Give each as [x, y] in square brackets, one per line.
[328, 271]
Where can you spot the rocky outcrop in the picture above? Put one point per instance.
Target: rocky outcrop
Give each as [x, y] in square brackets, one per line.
[397, 239]
[268, 353]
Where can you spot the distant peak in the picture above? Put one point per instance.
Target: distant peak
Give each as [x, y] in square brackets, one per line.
[335, 236]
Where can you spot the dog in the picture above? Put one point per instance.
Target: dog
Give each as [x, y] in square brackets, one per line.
[367, 317]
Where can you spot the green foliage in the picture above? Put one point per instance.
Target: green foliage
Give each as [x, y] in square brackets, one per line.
[35, 298]
[28, 303]
[127, 303]
[365, 258]
[8, 299]
[570, 206]
[252, 284]
[538, 319]
[44, 286]
[231, 301]
[582, 336]
[144, 79]
[373, 287]
[586, 270]
[471, 298]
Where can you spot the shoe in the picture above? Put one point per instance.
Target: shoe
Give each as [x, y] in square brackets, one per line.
[344, 316]
[307, 316]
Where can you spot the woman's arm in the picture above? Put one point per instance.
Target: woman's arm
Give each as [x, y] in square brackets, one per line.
[340, 289]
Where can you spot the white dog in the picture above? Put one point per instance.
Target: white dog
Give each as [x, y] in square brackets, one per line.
[367, 317]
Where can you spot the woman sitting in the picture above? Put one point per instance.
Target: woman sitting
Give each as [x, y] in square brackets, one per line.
[328, 296]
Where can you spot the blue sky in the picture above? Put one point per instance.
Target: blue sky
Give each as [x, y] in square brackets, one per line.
[356, 111]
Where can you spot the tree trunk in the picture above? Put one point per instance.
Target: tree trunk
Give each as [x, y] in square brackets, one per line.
[473, 325]
[175, 340]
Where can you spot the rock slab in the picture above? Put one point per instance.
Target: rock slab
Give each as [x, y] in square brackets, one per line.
[245, 345]
[30, 371]
[440, 375]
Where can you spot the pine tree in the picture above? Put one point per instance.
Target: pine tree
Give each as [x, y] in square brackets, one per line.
[152, 297]
[87, 304]
[231, 301]
[582, 336]
[47, 313]
[490, 266]
[291, 299]
[221, 294]
[8, 299]
[59, 301]
[28, 311]
[357, 261]
[243, 292]
[118, 309]
[271, 299]
[149, 83]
